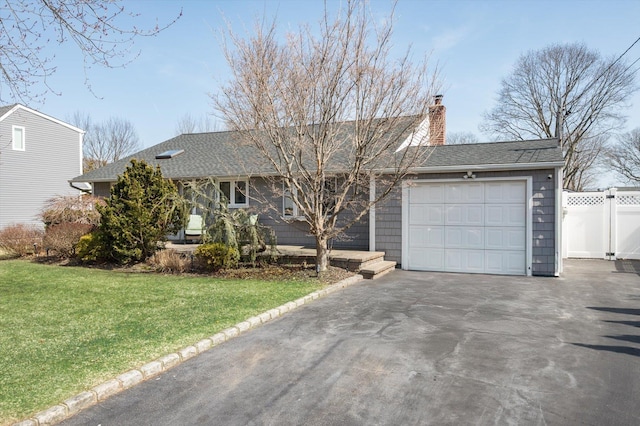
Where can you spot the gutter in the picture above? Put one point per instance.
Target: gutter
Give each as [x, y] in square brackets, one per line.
[481, 167]
[432, 169]
[85, 191]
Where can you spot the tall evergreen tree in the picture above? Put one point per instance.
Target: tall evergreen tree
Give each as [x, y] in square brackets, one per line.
[142, 209]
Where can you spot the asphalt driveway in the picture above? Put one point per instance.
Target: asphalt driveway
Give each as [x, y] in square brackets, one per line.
[419, 348]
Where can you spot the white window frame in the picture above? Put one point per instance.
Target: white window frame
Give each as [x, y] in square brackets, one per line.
[23, 143]
[295, 214]
[232, 192]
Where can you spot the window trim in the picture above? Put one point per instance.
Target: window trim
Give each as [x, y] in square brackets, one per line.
[23, 145]
[295, 214]
[232, 192]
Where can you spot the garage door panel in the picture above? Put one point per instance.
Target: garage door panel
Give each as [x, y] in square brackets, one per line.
[505, 262]
[427, 194]
[427, 259]
[458, 260]
[505, 238]
[426, 236]
[504, 215]
[426, 214]
[464, 193]
[504, 192]
[467, 237]
[464, 214]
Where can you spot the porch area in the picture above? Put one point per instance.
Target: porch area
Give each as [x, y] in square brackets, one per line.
[369, 264]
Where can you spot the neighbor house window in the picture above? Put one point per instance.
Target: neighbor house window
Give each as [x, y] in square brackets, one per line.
[18, 138]
[236, 192]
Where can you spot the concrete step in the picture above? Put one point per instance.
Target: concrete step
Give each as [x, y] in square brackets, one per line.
[355, 261]
[377, 269]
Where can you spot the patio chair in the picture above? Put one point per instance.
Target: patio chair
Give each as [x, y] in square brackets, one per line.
[194, 229]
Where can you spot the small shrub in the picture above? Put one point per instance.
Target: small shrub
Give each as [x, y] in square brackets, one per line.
[170, 261]
[63, 238]
[216, 256]
[21, 239]
[90, 247]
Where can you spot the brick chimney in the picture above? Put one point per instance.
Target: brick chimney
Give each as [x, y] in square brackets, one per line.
[437, 122]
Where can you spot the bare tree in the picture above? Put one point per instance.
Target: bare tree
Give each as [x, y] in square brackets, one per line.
[106, 142]
[565, 91]
[327, 110]
[458, 138]
[101, 29]
[190, 124]
[624, 157]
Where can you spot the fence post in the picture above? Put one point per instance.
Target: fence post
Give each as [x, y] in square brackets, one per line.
[613, 223]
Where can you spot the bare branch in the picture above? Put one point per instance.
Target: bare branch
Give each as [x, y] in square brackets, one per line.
[101, 29]
[106, 142]
[589, 92]
[624, 156]
[328, 112]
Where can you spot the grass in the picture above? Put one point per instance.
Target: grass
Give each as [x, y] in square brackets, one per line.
[66, 329]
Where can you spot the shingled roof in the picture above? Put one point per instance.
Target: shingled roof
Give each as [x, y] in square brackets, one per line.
[224, 154]
[534, 153]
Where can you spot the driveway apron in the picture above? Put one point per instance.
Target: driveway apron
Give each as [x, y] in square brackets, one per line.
[418, 348]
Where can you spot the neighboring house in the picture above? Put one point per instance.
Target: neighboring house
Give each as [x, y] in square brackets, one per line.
[485, 208]
[38, 156]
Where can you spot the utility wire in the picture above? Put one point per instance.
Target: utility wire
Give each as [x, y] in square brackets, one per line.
[607, 70]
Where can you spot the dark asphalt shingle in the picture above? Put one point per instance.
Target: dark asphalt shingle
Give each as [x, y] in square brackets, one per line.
[224, 154]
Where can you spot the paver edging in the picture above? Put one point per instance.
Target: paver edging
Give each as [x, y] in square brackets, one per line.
[128, 379]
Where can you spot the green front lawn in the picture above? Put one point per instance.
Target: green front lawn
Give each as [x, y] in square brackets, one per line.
[66, 329]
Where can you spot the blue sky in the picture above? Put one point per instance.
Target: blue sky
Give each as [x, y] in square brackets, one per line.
[475, 43]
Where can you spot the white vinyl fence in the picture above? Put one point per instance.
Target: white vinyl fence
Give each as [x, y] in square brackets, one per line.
[601, 225]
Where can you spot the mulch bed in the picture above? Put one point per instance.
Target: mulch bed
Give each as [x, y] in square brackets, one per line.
[259, 272]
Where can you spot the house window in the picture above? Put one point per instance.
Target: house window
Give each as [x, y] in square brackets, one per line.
[18, 138]
[329, 198]
[236, 192]
[289, 208]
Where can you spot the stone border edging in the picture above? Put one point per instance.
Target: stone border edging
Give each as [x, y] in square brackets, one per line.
[101, 392]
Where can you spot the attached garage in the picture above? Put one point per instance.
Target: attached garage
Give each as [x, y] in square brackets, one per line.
[492, 208]
[467, 226]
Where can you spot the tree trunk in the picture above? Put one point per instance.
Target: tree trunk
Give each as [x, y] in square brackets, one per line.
[322, 254]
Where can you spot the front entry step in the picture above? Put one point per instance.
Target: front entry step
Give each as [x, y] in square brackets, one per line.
[377, 269]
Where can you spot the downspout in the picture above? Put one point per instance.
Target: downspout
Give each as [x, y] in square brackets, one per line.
[559, 219]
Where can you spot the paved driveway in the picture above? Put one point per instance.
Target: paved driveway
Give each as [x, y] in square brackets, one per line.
[419, 348]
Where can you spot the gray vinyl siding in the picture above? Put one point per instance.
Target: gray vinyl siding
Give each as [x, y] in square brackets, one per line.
[389, 218]
[389, 226]
[296, 232]
[102, 189]
[28, 178]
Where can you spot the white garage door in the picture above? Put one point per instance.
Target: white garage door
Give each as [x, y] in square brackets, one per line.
[473, 226]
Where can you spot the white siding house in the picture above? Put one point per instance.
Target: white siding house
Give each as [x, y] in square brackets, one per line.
[38, 156]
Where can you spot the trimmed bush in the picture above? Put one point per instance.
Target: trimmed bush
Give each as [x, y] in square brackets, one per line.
[20, 239]
[90, 247]
[63, 237]
[216, 256]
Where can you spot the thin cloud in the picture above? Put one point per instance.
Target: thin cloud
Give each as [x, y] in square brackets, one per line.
[450, 38]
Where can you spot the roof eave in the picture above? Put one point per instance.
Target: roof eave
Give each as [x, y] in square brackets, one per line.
[486, 167]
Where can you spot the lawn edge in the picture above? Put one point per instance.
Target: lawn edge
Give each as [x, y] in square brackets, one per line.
[73, 405]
